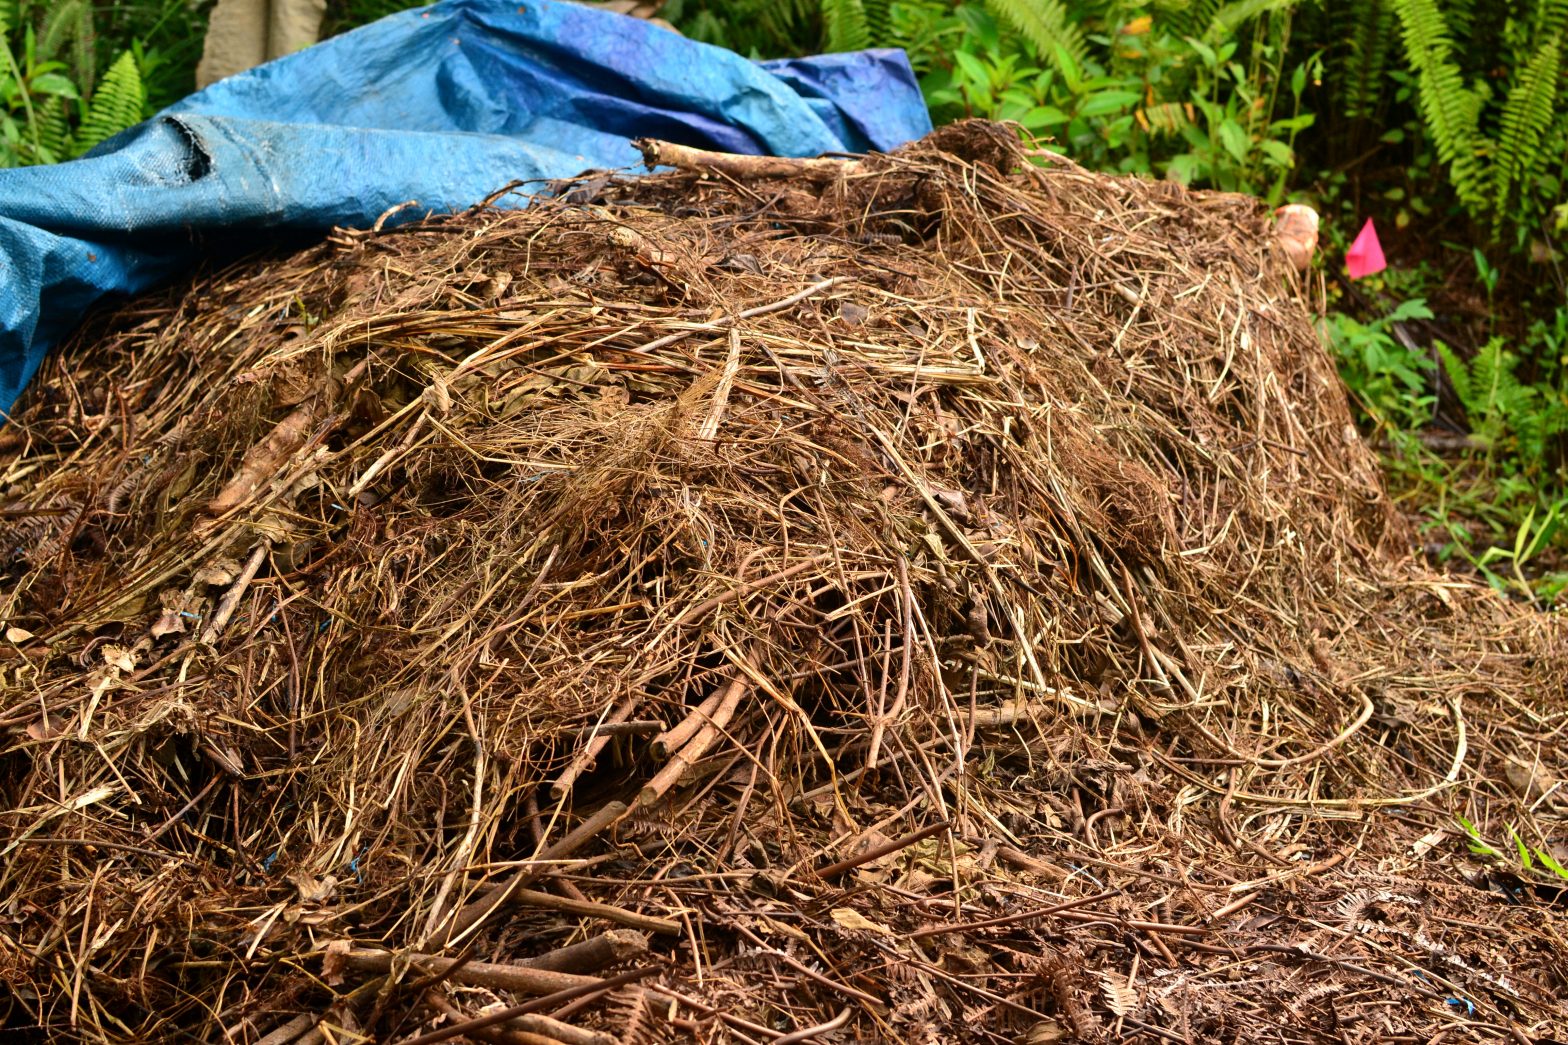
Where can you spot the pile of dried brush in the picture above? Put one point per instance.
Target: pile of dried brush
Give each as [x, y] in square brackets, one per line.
[932, 597]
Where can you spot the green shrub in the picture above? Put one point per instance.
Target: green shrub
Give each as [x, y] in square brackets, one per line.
[53, 105]
[1509, 417]
[1185, 98]
[1502, 504]
[166, 37]
[1490, 109]
[1386, 375]
[1201, 93]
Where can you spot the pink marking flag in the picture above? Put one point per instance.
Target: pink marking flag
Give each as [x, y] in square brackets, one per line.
[1365, 256]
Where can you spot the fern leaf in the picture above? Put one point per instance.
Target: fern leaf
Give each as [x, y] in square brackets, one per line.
[84, 51]
[1551, 17]
[1187, 17]
[116, 105]
[1527, 116]
[1369, 33]
[639, 1024]
[845, 22]
[1459, 378]
[59, 25]
[879, 22]
[1228, 19]
[1120, 998]
[1494, 399]
[1450, 110]
[53, 122]
[1487, 372]
[1459, 15]
[1047, 25]
[1166, 118]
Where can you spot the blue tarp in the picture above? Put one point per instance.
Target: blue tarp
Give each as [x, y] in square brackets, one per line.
[442, 105]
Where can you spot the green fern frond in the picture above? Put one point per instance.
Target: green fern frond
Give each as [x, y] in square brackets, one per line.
[116, 105]
[1551, 17]
[53, 121]
[1504, 412]
[780, 20]
[879, 22]
[1369, 35]
[1166, 117]
[1047, 25]
[1489, 380]
[706, 27]
[845, 24]
[1459, 16]
[1238, 13]
[1450, 110]
[1458, 376]
[63, 32]
[750, 27]
[1480, 384]
[58, 27]
[84, 51]
[1527, 116]
[1185, 18]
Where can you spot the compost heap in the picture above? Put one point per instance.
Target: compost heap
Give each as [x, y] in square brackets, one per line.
[929, 597]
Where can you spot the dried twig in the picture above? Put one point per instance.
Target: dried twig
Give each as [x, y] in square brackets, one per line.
[504, 892]
[483, 974]
[877, 852]
[611, 947]
[661, 153]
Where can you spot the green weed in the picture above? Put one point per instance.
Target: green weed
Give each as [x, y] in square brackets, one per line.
[1530, 860]
[1502, 506]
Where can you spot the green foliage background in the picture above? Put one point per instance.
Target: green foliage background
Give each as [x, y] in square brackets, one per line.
[1213, 92]
[73, 73]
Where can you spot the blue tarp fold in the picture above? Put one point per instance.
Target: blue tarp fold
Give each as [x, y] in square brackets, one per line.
[442, 105]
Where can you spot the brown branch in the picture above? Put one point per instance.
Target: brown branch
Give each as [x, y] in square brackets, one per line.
[599, 736]
[590, 909]
[469, 916]
[887, 848]
[656, 153]
[694, 749]
[474, 974]
[610, 947]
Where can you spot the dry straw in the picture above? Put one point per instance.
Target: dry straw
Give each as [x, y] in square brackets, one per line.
[934, 597]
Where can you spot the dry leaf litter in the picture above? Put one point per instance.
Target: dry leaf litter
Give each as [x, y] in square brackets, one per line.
[936, 597]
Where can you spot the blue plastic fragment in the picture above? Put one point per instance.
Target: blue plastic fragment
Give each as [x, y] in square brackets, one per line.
[442, 105]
